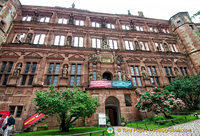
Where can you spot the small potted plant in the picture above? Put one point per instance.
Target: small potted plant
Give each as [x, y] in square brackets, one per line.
[123, 121]
[107, 121]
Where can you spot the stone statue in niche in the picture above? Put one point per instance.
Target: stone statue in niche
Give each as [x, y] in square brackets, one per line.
[124, 76]
[65, 71]
[166, 47]
[129, 13]
[36, 15]
[137, 46]
[116, 76]
[17, 70]
[90, 75]
[132, 25]
[103, 23]
[144, 73]
[95, 58]
[99, 75]
[71, 20]
[176, 72]
[69, 40]
[29, 38]
[73, 5]
[105, 44]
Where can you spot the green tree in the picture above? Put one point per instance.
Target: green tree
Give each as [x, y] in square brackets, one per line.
[69, 105]
[159, 101]
[187, 89]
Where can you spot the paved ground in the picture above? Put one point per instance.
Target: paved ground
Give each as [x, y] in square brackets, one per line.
[187, 129]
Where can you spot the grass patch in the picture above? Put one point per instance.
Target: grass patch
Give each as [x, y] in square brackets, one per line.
[149, 123]
[74, 130]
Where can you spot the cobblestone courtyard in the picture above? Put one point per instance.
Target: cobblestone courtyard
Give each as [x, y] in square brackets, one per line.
[187, 129]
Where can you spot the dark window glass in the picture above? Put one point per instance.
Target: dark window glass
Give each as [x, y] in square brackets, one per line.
[23, 79]
[10, 66]
[170, 69]
[12, 110]
[34, 67]
[185, 69]
[128, 100]
[166, 71]
[179, 23]
[49, 80]
[51, 68]
[191, 27]
[154, 71]
[27, 67]
[182, 71]
[30, 81]
[157, 81]
[19, 111]
[94, 75]
[3, 66]
[5, 80]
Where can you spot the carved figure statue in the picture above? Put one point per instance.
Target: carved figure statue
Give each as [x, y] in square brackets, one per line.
[90, 75]
[132, 25]
[29, 38]
[95, 58]
[73, 5]
[105, 44]
[103, 23]
[124, 76]
[18, 70]
[129, 13]
[36, 15]
[65, 71]
[71, 20]
[116, 76]
[166, 47]
[144, 73]
[69, 40]
[99, 75]
[137, 46]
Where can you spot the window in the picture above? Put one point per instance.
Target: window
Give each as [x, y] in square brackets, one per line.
[113, 44]
[94, 65]
[62, 21]
[53, 73]
[173, 47]
[144, 46]
[39, 39]
[94, 75]
[135, 74]
[169, 73]
[129, 45]
[110, 26]
[153, 75]
[179, 23]
[191, 27]
[75, 78]
[125, 27]
[158, 47]
[16, 111]
[127, 98]
[78, 41]
[29, 73]
[26, 18]
[96, 43]
[59, 40]
[95, 24]
[5, 72]
[139, 28]
[19, 38]
[79, 22]
[184, 71]
[2, 24]
[45, 19]
[119, 76]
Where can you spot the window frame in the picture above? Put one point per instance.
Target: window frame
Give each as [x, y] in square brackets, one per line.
[80, 43]
[52, 74]
[76, 74]
[136, 75]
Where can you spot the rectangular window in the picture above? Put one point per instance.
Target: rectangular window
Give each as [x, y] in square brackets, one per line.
[169, 73]
[119, 75]
[95, 24]
[127, 98]
[153, 75]
[12, 110]
[53, 73]
[19, 111]
[125, 27]
[29, 73]
[79, 22]
[110, 26]
[9, 67]
[139, 28]
[59, 40]
[96, 43]
[3, 66]
[19, 38]
[128, 45]
[45, 19]
[136, 76]
[62, 21]
[144, 46]
[94, 75]
[5, 71]
[39, 39]
[75, 78]
[78, 41]
[184, 71]
[113, 44]
[26, 18]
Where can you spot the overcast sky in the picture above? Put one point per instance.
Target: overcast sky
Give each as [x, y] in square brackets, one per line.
[159, 9]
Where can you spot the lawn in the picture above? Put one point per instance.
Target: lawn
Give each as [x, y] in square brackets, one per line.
[150, 122]
[74, 130]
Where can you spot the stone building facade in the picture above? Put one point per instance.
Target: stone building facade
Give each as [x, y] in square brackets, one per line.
[68, 46]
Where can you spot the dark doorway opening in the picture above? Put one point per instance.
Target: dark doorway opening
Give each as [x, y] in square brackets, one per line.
[111, 112]
[107, 76]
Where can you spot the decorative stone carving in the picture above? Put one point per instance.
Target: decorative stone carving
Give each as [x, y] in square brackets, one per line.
[99, 75]
[116, 76]
[137, 46]
[144, 73]
[36, 15]
[71, 20]
[29, 38]
[124, 76]
[105, 44]
[65, 71]
[90, 75]
[95, 58]
[18, 70]
[69, 41]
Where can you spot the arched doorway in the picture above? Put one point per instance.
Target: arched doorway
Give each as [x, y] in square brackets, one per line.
[113, 111]
[107, 76]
